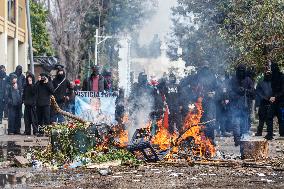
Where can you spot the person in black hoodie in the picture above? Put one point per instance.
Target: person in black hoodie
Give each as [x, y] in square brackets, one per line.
[44, 89]
[241, 92]
[61, 90]
[172, 101]
[14, 100]
[3, 86]
[29, 99]
[20, 77]
[277, 84]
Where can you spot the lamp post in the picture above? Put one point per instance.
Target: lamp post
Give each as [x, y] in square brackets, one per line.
[98, 42]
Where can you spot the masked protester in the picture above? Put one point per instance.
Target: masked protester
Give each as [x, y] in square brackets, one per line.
[223, 106]
[172, 97]
[44, 89]
[140, 92]
[241, 92]
[70, 103]
[29, 99]
[187, 94]
[159, 99]
[120, 107]
[206, 88]
[20, 77]
[265, 111]
[14, 101]
[61, 87]
[108, 81]
[95, 82]
[277, 84]
[3, 86]
[6, 83]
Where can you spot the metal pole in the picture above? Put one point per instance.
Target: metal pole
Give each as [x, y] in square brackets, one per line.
[89, 56]
[30, 37]
[96, 47]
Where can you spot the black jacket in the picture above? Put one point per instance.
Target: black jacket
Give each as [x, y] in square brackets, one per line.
[3, 84]
[13, 96]
[263, 92]
[44, 92]
[60, 89]
[241, 92]
[30, 92]
[277, 84]
[172, 96]
[21, 81]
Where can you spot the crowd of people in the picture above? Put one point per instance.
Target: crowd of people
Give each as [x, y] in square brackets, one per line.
[17, 89]
[227, 100]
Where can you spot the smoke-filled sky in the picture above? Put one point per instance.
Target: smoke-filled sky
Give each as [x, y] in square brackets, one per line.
[159, 24]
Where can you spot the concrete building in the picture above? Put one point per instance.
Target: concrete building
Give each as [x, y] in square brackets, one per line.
[13, 34]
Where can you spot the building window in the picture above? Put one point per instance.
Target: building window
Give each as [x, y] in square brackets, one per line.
[12, 11]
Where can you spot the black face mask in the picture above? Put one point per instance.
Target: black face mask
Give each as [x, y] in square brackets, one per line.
[172, 80]
[241, 74]
[60, 76]
[2, 74]
[95, 73]
[267, 77]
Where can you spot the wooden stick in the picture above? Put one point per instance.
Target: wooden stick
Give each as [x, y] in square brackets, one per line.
[67, 114]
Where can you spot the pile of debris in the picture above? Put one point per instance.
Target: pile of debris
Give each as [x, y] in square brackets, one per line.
[79, 143]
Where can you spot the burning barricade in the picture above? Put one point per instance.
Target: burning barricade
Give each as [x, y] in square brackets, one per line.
[88, 142]
[189, 143]
[80, 143]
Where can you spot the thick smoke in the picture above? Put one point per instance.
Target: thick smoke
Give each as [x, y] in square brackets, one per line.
[139, 109]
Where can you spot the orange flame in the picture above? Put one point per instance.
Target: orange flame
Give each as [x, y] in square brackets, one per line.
[123, 138]
[163, 137]
[193, 131]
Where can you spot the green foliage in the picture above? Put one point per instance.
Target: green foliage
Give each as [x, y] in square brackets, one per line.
[255, 29]
[115, 154]
[64, 147]
[41, 40]
[227, 32]
[196, 32]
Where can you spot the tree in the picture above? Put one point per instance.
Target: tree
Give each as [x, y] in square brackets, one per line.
[197, 33]
[41, 39]
[72, 26]
[256, 29]
[250, 31]
[116, 18]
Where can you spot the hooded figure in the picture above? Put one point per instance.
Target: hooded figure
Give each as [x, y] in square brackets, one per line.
[3, 86]
[172, 99]
[277, 84]
[21, 78]
[108, 81]
[95, 82]
[265, 111]
[206, 88]
[241, 92]
[29, 99]
[61, 90]
[14, 101]
[44, 90]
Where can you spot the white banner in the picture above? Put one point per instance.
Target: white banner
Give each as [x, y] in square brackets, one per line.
[96, 107]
